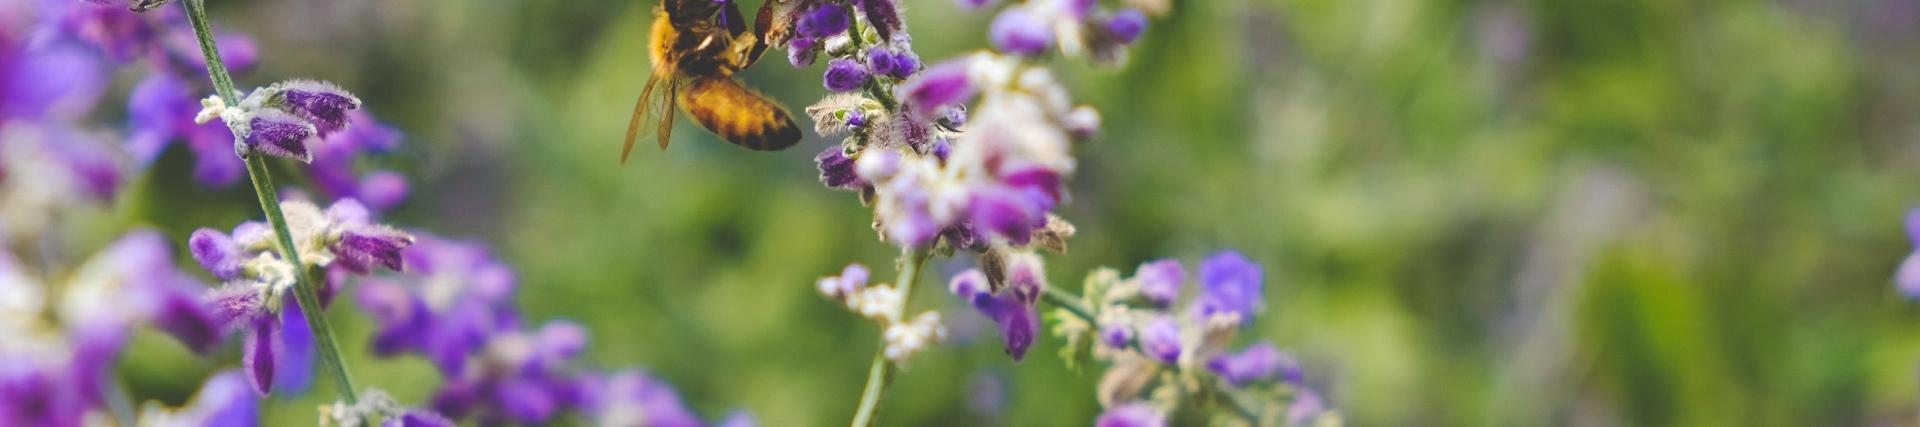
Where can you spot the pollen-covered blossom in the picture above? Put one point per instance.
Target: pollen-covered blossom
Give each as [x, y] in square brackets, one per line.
[883, 303]
[1192, 346]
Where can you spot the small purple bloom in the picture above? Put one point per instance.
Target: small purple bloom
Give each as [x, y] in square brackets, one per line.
[1116, 335]
[1017, 31]
[1262, 361]
[822, 21]
[800, 52]
[417, 418]
[322, 104]
[844, 75]
[905, 63]
[943, 84]
[1019, 322]
[880, 61]
[279, 134]
[1135, 414]
[1907, 279]
[635, 398]
[836, 169]
[856, 118]
[1161, 339]
[1230, 284]
[1125, 26]
[217, 252]
[1160, 281]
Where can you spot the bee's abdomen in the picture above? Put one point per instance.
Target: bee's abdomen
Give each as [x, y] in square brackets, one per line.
[736, 113]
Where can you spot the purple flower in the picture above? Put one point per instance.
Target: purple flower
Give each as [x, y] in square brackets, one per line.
[279, 134]
[836, 169]
[1230, 284]
[822, 21]
[1261, 361]
[223, 401]
[161, 110]
[526, 377]
[885, 17]
[453, 299]
[138, 272]
[1161, 339]
[1160, 281]
[417, 418]
[36, 391]
[320, 103]
[1018, 31]
[333, 167]
[1018, 320]
[1134, 414]
[633, 398]
[844, 75]
[1116, 335]
[217, 252]
[880, 61]
[800, 52]
[55, 80]
[1908, 277]
[940, 85]
[1126, 25]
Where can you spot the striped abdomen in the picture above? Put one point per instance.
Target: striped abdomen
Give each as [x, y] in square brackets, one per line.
[739, 115]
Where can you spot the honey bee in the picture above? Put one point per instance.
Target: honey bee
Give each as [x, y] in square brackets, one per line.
[697, 45]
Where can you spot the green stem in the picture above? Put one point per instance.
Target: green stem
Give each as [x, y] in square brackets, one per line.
[880, 373]
[305, 289]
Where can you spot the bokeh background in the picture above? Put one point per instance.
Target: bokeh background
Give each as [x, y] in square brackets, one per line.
[1583, 212]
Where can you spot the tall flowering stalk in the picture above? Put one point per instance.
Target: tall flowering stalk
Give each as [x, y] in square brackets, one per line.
[941, 182]
[274, 131]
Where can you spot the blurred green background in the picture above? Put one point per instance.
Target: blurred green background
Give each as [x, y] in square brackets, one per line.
[1589, 212]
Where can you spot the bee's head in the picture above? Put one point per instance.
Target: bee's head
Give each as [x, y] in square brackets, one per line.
[689, 11]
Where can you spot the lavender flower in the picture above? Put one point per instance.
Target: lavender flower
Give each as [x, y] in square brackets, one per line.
[1160, 281]
[1134, 414]
[1126, 25]
[844, 75]
[940, 85]
[1011, 309]
[1161, 339]
[822, 21]
[525, 377]
[1261, 361]
[278, 134]
[320, 103]
[1907, 278]
[800, 52]
[1230, 285]
[836, 169]
[1017, 31]
[454, 298]
[161, 110]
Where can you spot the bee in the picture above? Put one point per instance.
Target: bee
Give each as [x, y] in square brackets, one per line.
[697, 45]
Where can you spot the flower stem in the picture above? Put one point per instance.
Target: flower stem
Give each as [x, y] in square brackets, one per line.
[881, 372]
[305, 289]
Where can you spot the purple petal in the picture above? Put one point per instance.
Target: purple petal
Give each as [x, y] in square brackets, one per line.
[942, 84]
[1262, 361]
[1161, 339]
[321, 103]
[844, 75]
[1019, 32]
[1134, 414]
[1127, 25]
[56, 80]
[822, 21]
[359, 250]
[279, 134]
[383, 190]
[188, 320]
[968, 284]
[526, 402]
[258, 353]
[293, 370]
[1230, 283]
[800, 52]
[216, 252]
[225, 402]
[837, 170]
[1160, 281]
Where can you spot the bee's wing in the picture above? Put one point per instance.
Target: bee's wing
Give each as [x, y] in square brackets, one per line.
[640, 111]
[667, 111]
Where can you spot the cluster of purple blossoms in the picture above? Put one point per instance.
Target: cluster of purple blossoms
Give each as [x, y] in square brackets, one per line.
[58, 344]
[1132, 323]
[257, 297]
[1076, 27]
[454, 307]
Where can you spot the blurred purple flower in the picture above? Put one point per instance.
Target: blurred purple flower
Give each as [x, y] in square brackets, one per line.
[161, 110]
[1230, 284]
[1116, 335]
[417, 418]
[1907, 279]
[39, 391]
[1160, 281]
[1012, 309]
[1017, 31]
[53, 80]
[525, 378]
[1261, 361]
[1135, 414]
[454, 297]
[940, 85]
[223, 401]
[1126, 25]
[1161, 339]
[632, 398]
